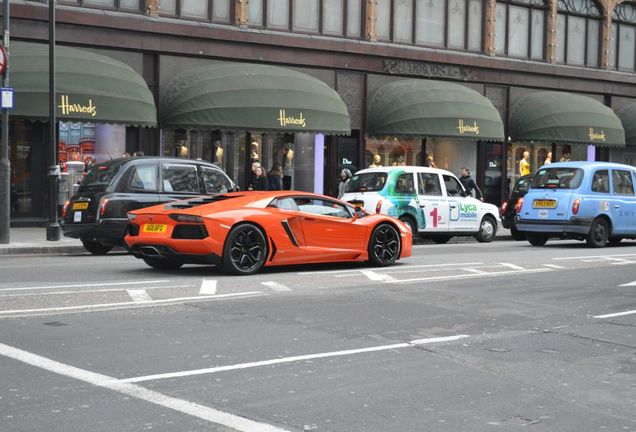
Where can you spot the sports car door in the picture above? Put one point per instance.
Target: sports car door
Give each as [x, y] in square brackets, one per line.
[328, 225]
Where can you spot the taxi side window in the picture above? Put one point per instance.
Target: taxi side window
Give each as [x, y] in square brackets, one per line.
[600, 181]
[404, 184]
[215, 181]
[143, 178]
[453, 187]
[180, 178]
[622, 181]
[429, 184]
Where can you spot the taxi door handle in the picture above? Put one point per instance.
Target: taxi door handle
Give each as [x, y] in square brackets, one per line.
[452, 206]
[616, 206]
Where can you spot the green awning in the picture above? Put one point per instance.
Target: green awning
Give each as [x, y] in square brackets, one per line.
[433, 109]
[252, 96]
[89, 87]
[628, 119]
[565, 118]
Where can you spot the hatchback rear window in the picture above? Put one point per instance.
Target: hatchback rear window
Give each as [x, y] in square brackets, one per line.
[557, 178]
[100, 176]
[367, 182]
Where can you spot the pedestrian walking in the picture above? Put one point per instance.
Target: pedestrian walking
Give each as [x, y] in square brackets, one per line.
[469, 184]
[275, 177]
[345, 178]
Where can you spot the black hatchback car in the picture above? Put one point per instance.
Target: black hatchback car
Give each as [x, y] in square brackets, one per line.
[508, 210]
[97, 213]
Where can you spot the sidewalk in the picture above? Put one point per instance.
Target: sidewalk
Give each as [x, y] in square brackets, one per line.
[33, 241]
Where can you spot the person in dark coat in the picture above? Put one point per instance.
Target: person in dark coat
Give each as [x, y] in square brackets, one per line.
[275, 177]
[469, 184]
[260, 181]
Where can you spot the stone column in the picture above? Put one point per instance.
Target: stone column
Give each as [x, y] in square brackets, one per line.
[240, 9]
[491, 17]
[606, 31]
[152, 7]
[371, 17]
[551, 30]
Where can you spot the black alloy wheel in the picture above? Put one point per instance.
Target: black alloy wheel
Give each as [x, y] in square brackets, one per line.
[599, 233]
[162, 263]
[95, 247]
[384, 245]
[245, 250]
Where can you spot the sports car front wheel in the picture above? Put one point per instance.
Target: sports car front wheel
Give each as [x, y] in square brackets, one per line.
[384, 245]
[245, 250]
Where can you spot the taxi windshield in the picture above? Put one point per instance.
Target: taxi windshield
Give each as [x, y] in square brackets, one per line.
[557, 178]
[367, 182]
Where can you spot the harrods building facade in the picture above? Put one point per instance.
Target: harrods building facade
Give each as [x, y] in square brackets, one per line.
[320, 85]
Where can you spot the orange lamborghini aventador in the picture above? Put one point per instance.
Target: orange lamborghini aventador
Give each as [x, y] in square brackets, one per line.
[244, 231]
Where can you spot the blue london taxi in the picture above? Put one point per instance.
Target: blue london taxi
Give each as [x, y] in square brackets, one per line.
[591, 201]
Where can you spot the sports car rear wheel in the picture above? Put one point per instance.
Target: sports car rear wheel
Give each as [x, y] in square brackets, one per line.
[162, 263]
[245, 250]
[384, 245]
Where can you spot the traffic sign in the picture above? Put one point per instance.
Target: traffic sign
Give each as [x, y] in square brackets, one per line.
[7, 98]
[3, 60]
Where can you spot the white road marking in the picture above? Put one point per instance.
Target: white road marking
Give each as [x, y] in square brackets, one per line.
[629, 284]
[592, 256]
[475, 271]
[104, 284]
[554, 266]
[276, 286]
[616, 314]
[180, 405]
[376, 276]
[512, 266]
[208, 287]
[139, 296]
[400, 267]
[292, 359]
[88, 291]
[469, 276]
[128, 304]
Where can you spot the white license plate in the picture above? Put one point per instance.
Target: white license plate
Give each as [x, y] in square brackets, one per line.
[77, 217]
[543, 214]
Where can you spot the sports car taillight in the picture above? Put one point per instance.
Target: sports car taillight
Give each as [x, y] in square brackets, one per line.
[186, 218]
[378, 206]
[575, 206]
[504, 207]
[518, 205]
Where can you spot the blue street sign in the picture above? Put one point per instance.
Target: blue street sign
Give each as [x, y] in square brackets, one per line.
[7, 98]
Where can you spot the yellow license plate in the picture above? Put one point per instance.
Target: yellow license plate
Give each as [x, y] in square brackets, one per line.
[544, 204]
[80, 206]
[155, 228]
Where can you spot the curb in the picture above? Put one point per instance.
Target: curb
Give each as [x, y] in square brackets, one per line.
[41, 250]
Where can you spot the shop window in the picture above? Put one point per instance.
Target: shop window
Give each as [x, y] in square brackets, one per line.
[208, 10]
[403, 21]
[333, 17]
[454, 24]
[578, 32]
[392, 152]
[354, 18]
[520, 28]
[383, 20]
[622, 55]
[306, 16]
[123, 5]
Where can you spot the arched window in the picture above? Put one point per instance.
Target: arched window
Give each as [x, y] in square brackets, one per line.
[578, 32]
[520, 28]
[623, 36]
[453, 24]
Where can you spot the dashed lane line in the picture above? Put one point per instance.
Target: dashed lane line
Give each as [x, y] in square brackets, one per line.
[139, 296]
[212, 415]
[400, 267]
[240, 366]
[276, 286]
[208, 287]
[554, 266]
[618, 314]
[377, 276]
[470, 276]
[512, 266]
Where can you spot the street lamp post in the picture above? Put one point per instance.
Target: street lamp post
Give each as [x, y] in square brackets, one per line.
[53, 227]
[5, 163]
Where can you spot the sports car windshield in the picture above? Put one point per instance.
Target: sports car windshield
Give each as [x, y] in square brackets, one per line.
[557, 178]
[367, 182]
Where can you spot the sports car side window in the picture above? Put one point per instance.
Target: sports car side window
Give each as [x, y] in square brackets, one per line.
[285, 204]
[322, 207]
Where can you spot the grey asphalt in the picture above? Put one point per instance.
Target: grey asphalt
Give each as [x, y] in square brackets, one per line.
[33, 241]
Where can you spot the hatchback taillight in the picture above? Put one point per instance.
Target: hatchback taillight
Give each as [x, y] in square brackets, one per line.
[102, 207]
[575, 206]
[518, 205]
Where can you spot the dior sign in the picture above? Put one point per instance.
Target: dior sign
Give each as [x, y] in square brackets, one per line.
[401, 67]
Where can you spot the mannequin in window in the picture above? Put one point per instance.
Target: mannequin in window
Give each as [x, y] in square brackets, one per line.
[254, 157]
[548, 159]
[430, 162]
[377, 161]
[524, 164]
[218, 153]
[288, 166]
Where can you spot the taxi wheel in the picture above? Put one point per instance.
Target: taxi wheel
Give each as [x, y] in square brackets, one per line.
[162, 263]
[245, 250]
[537, 239]
[411, 224]
[384, 246]
[95, 247]
[487, 230]
[516, 234]
[599, 233]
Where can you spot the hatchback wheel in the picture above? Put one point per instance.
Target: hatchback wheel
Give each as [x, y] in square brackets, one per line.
[95, 247]
[245, 250]
[384, 245]
[599, 233]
